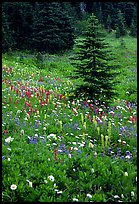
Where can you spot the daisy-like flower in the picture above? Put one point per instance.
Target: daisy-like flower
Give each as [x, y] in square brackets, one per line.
[51, 178]
[13, 187]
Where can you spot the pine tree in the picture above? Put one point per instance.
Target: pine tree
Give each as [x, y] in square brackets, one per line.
[93, 65]
[8, 40]
[121, 28]
[52, 30]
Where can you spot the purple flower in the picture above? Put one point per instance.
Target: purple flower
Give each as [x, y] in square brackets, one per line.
[103, 154]
[109, 150]
[3, 157]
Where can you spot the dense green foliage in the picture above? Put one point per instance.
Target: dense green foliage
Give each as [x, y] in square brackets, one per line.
[94, 64]
[51, 26]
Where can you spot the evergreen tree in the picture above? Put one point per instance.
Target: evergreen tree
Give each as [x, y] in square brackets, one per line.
[8, 39]
[52, 30]
[121, 28]
[93, 65]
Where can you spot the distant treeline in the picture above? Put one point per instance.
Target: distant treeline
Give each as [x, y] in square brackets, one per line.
[52, 27]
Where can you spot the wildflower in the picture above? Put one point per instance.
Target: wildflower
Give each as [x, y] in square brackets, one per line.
[126, 174]
[116, 196]
[69, 155]
[89, 195]
[9, 149]
[22, 132]
[45, 181]
[51, 178]
[9, 159]
[9, 139]
[30, 183]
[91, 145]
[13, 187]
[59, 192]
[75, 199]
[92, 170]
[132, 193]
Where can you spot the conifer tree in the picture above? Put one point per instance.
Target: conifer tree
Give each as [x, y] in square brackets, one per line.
[52, 30]
[93, 65]
[121, 28]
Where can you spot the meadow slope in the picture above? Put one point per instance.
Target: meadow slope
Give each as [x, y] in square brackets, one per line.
[56, 150]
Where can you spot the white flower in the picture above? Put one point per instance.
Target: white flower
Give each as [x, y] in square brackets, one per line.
[30, 183]
[74, 170]
[51, 178]
[36, 135]
[22, 132]
[116, 196]
[13, 187]
[44, 128]
[92, 170]
[122, 196]
[59, 192]
[126, 174]
[75, 199]
[75, 148]
[69, 155]
[9, 149]
[132, 193]
[45, 181]
[89, 195]
[91, 145]
[9, 159]
[9, 139]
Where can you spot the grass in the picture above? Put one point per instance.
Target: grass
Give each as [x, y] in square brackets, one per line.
[56, 150]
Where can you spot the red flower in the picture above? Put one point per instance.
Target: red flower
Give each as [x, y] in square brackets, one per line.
[55, 154]
[41, 79]
[17, 91]
[16, 102]
[5, 131]
[60, 96]
[133, 119]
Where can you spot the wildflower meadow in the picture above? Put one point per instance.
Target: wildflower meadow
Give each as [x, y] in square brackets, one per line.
[58, 150]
